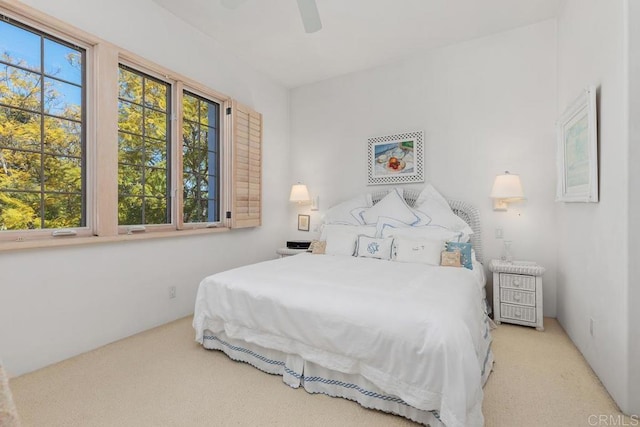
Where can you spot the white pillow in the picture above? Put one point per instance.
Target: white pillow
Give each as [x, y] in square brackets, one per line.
[371, 247]
[388, 227]
[367, 230]
[393, 206]
[341, 243]
[341, 213]
[433, 204]
[423, 218]
[424, 251]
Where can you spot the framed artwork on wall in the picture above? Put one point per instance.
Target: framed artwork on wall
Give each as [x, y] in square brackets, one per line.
[578, 150]
[396, 159]
[303, 222]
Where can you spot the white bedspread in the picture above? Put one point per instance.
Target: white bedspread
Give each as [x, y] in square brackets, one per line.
[411, 329]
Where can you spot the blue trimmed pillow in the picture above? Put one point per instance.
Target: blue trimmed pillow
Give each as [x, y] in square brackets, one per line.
[341, 213]
[390, 227]
[465, 253]
[393, 206]
[370, 247]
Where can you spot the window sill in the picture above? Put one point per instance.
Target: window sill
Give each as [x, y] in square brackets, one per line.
[78, 241]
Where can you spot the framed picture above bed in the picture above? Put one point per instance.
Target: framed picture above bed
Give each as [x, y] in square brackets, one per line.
[578, 150]
[396, 159]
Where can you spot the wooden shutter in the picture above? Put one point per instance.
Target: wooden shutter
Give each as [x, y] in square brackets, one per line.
[246, 195]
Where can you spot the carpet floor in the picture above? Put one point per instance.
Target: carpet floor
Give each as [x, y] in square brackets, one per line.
[162, 377]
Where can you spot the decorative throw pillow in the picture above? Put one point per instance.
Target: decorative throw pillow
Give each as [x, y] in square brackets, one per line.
[341, 213]
[433, 204]
[450, 259]
[370, 247]
[392, 206]
[317, 247]
[420, 251]
[341, 243]
[465, 253]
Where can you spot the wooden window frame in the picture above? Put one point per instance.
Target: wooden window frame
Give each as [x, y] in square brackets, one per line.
[171, 225]
[224, 147]
[101, 147]
[56, 32]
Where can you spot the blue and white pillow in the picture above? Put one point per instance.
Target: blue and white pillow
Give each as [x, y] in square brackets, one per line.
[465, 253]
[392, 206]
[370, 247]
[341, 213]
[389, 227]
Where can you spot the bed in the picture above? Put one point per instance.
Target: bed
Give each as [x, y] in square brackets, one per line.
[406, 338]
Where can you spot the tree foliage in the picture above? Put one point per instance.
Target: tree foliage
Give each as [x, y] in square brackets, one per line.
[200, 151]
[41, 181]
[143, 173]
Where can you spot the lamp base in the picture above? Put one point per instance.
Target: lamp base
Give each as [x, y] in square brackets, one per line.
[499, 205]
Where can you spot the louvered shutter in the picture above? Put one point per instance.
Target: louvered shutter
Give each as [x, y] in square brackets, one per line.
[246, 198]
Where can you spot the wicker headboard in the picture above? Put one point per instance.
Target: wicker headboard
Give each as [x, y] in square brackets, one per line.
[464, 210]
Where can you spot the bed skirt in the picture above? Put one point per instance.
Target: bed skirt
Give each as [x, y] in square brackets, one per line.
[296, 372]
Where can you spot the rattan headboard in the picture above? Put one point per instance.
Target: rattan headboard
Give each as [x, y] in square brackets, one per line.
[464, 210]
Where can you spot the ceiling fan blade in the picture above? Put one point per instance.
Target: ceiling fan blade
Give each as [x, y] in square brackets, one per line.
[310, 16]
[231, 4]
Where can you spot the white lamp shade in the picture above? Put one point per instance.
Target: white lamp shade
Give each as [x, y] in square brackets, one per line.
[507, 186]
[299, 193]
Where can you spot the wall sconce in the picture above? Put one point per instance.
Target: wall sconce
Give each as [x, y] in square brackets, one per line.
[300, 195]
[506, 188]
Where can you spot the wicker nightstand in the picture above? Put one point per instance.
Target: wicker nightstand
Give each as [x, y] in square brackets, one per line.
[284, 252]
[517, 293]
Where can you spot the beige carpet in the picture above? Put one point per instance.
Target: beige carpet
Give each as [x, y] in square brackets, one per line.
[163, 378]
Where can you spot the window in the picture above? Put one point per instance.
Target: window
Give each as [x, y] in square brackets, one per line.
[144, 147]
[200, 159]
[88, 144]
[42, 130]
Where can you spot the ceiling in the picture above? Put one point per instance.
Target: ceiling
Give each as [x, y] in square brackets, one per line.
[356, 34]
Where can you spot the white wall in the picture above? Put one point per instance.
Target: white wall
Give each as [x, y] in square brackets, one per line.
[592, 238]
[486, 106]
[633, 37]
[55, 303]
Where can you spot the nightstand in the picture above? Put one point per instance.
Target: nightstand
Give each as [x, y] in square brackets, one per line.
[285, 252]
[517, 293]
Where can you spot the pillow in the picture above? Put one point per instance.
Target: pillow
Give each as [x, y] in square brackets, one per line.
[465, 253]
[450, 259]
[317, 247]
[388, 227]
[371, 247]
[393, 206]
[433, 204]
[357, 214]
[424, 251]
[367, 230]
[423, 218]
[340, 243]
[341, 213]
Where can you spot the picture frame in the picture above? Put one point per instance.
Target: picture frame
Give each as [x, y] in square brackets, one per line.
[396, 159]
[303, 222]
[577, 150]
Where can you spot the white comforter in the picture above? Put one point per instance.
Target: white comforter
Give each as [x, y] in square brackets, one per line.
[411, 329]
